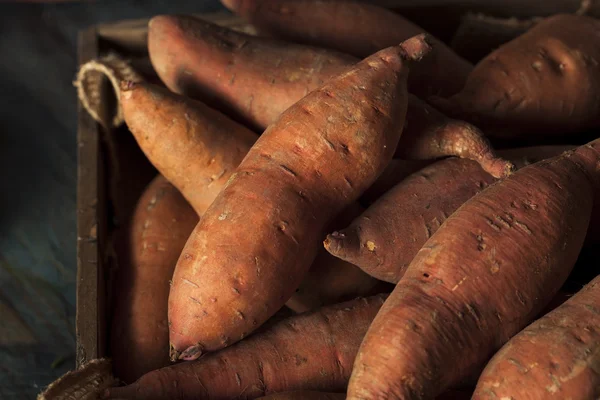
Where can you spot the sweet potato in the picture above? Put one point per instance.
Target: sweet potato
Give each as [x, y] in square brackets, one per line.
[198, 149]
[312, 351]
[481, 278]
[311, 395]
[430, 134]
[305, 395]
[252, 79]
[545, 82]
[259, 237]
[355, 28]
[556, 357]
[387, 236]
[159, 228]
[256, 79]
[193, 146]
[331, 280]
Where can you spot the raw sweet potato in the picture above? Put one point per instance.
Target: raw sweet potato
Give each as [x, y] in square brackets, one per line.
[556, 357]
[193, 146]
[355, 28]
[312, 351]
[159, 228]
[198, 149]
[255, 243]
[430, 134]
[311, 395]
[387, 236]
[545, 82]
[305, 395]
[331, 280]
[481, 278]
[396, 171]
[252, 79]
[256, 79]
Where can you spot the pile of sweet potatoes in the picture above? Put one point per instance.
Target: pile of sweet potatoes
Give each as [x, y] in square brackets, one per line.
[346, 208]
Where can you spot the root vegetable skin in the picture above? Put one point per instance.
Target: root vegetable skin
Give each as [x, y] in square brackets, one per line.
[553, 358]
[197, 149]
[481, 278]
[317, 159]
[387, 236]
[159, 229]
[208, 62]
[331, 280]
[256, 79]
[305, 395]
[544, 82]
[355, 28]
[193, 146]
[433, 135]
[312, 351]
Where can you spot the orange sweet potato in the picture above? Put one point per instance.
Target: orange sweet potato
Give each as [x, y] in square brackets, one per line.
[481, 278]
[256, 79]
[159, 228]
[198, 149]
[193, 146]
[545, 82]
[305, 395]
[387, 236]
[331, 280]
[312, 351]
[255, 243]
[553, 358]
[355, 28]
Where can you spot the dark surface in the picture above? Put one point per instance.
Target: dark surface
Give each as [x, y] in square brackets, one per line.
[38, 124]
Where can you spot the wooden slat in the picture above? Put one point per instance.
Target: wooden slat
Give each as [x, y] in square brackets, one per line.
[88, 258]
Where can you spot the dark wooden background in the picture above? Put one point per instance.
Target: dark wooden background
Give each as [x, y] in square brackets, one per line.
[38, 164]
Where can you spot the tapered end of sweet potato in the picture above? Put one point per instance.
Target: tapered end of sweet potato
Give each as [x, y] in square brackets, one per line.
[417, 47]
[343, 244]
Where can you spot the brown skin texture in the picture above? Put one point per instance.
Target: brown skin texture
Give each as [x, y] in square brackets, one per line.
[396, 171]
[556, 357]
[387, 236]
[252, 79]
[312, 351]
[355, 28]
[159, 228]
[480, 279]
[256, 79]
[545, 82]
[197, 149]
[331, 280]
[311, 395]
[305, 395]
[193, 146]
[258, 239]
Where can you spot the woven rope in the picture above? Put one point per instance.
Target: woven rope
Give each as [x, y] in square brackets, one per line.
[86, 383]
[89, 83]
